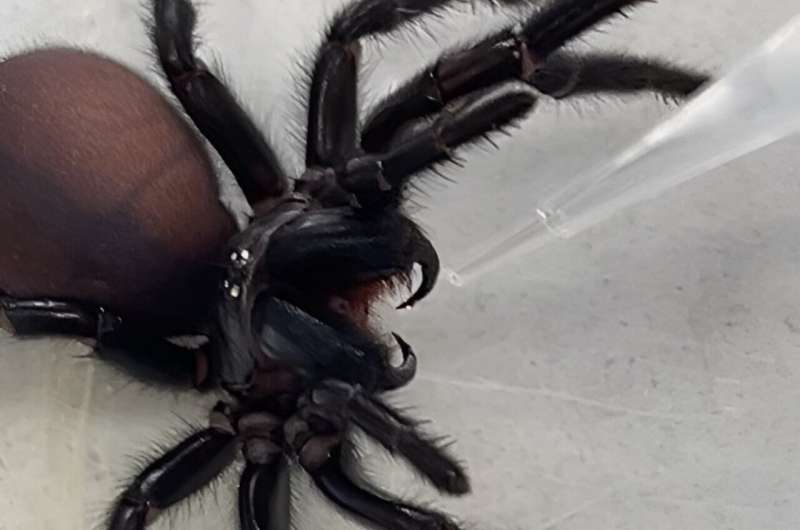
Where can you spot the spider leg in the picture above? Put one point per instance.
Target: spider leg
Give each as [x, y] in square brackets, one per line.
[527, 55]
[427, 455]
[332, 102]
[565, 75]
[397, 434]
[47, 316]
[332, 113]
[391, 514]
[332, 106]
[316, 434]
[211, 106]
[139, 353]
[256, 488]
[378, 180]
[181, 471]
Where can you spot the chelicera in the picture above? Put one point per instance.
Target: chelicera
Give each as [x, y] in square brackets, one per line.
[284, 302]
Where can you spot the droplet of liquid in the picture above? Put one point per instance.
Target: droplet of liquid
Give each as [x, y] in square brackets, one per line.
[454, 278]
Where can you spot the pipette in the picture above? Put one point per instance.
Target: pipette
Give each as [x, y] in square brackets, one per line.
[755, 104]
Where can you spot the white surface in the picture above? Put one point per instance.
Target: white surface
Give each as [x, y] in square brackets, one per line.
[642, 375]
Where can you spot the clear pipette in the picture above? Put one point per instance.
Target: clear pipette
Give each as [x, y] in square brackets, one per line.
[755, 104]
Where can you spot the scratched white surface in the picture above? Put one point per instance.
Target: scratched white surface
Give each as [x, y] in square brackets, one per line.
[643, 375]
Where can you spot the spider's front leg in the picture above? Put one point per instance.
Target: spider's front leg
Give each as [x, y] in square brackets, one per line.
[529, 55]
[332, 104]
[378, 180]
[332, 141]
[212, 107]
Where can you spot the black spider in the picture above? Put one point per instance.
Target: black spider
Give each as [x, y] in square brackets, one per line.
[288, 334]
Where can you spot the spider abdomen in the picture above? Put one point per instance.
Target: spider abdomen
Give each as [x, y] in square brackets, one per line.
[108, 196]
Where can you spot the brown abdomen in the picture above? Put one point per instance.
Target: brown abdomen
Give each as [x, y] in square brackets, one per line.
[106, 195]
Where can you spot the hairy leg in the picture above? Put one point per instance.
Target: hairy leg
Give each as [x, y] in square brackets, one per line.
[183, 470]
[137, 351]
[332, 106]
[337, 403]
[527, 55]
[378, 180]
[331, 139]
[388, 513]
[212, 107]
[256, 489]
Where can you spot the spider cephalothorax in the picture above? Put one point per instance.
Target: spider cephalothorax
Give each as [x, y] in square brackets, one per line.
[289, 335]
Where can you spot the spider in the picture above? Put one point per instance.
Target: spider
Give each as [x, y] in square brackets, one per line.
[289, 338]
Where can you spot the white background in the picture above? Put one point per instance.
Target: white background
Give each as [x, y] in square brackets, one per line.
[642, 375]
